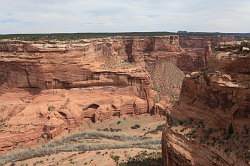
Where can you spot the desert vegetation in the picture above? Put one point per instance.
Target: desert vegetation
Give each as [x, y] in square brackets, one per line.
[82, 142]
[226, 141]
[77, 36]
[144, 159]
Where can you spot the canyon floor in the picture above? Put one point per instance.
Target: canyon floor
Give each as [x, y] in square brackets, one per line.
[127, 141]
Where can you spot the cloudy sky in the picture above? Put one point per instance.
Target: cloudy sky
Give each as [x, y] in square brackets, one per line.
[48, 16]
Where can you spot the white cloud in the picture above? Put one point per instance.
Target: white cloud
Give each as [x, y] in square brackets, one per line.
[36, 16]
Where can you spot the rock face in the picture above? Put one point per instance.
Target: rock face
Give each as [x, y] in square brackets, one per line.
[48, 88]
[51, 87]
[210, 123]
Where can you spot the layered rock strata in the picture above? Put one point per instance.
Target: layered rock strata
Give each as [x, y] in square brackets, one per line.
[210, 123]
[51, 87]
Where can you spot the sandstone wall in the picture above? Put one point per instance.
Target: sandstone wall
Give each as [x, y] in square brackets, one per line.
[209, 125]
[51, 87]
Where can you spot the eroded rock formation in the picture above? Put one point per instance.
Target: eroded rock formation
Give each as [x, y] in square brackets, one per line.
[210, 123]
[48, 88]
[51, 87]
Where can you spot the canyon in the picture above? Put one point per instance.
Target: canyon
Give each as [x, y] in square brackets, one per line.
[49, 88]
[210, 123]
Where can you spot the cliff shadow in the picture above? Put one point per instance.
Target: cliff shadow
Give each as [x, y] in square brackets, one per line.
[26, 76]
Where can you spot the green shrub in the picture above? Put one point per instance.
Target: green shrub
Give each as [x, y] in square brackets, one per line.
[115, 158]
[51, 108]
[135, 126]
[230, 131]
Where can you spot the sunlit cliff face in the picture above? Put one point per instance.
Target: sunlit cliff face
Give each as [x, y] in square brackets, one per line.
[48, 88]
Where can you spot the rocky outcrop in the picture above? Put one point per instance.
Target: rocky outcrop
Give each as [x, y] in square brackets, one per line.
[51, 87]
[210, 123]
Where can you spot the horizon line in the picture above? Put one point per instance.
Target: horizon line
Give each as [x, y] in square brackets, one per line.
[125, 32]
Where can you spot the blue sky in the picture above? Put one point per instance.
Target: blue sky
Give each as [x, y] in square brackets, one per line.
[49, 16]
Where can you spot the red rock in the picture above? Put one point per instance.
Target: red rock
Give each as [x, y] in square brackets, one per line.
[217, 98]
[51, 87]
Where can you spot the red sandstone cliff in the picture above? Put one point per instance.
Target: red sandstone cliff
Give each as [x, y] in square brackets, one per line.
[50, 87]
[210, 124]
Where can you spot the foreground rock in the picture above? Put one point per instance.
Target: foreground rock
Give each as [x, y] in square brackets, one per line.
[210, 124]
